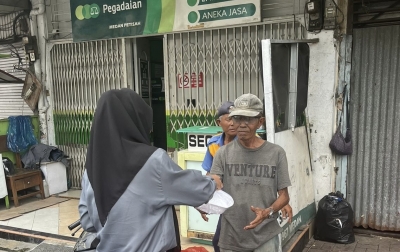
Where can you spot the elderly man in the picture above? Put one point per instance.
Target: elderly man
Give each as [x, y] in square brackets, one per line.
[228, 135]
[253, 171]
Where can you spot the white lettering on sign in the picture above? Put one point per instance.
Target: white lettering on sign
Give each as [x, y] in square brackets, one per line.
[122, 7]
[291, 228]
[116, 26]
[198, 142]
[214, 14]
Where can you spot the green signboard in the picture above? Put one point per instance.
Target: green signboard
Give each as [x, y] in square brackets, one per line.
[303, 217]
[104, 19]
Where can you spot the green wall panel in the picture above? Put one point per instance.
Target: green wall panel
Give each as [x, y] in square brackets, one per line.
[179, 140]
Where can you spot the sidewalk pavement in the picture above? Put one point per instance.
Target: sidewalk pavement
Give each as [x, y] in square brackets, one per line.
[363, 243]
[8, 245]
[56, 218]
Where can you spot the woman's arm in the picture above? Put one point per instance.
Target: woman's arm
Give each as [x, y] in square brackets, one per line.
[184, 187]
[86, 196]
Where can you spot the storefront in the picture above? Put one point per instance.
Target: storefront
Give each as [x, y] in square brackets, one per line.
[185, 74]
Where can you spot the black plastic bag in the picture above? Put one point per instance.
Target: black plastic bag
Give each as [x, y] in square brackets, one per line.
[8, 166]
[56, 155]
[334, 220]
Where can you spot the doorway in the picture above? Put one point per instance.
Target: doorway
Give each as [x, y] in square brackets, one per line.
[285, 73]
[149, 83]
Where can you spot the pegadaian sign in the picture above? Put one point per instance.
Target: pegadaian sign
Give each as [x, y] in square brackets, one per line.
[104, 19]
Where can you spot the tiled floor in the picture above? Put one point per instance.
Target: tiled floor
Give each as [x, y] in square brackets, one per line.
[53, 219]
[56, 218]
[68, 211]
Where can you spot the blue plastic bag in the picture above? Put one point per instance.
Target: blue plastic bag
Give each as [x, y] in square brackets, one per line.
[20, 134]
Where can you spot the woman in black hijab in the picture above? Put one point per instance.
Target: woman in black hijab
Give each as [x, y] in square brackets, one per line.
[129, 187]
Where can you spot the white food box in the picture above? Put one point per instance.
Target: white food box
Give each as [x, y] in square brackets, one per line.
[55, 174]
[218, 203]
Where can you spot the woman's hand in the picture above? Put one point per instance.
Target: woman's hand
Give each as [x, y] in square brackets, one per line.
[217, 180]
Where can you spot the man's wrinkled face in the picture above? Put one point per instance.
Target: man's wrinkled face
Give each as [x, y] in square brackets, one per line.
[225, 122]
[246, 126]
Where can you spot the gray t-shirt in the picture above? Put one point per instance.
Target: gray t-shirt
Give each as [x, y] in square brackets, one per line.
[252, 177]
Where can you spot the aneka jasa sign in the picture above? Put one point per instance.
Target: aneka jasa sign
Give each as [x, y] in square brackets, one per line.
[103, 19]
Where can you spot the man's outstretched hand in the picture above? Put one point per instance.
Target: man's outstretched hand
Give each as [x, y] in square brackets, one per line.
[261, 215]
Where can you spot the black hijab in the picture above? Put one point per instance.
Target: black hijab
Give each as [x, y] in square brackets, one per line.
[119, 146]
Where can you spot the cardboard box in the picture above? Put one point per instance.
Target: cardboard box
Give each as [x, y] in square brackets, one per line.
[56, 176]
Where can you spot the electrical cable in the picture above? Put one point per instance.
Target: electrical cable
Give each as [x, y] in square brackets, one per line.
[9, 24]
[337, 7]
[24, 13]
[16, 54]
[12, 28]
[6, 26]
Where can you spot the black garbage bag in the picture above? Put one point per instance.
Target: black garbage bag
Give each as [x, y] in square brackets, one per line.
[334, 220]
[8, 166]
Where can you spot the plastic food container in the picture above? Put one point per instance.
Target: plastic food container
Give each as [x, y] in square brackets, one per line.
[218, 203]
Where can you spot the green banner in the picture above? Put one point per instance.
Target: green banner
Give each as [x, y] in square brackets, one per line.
[104, 19]
[300, 219]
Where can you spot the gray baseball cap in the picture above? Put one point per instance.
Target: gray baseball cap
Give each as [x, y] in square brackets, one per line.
[247, 105]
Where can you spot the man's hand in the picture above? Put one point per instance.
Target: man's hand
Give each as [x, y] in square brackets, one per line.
[287, 212]
[261, 215]
[217, 180]
[203, 214]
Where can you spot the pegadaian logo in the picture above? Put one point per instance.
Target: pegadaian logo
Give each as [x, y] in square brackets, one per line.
[87, 11]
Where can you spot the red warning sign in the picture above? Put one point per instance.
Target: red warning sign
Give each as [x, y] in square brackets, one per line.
[195, 80]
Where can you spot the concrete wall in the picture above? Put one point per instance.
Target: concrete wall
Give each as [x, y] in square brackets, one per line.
[321, 110]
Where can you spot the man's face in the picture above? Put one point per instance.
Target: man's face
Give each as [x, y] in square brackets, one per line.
[226, 124]
[246, 127]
